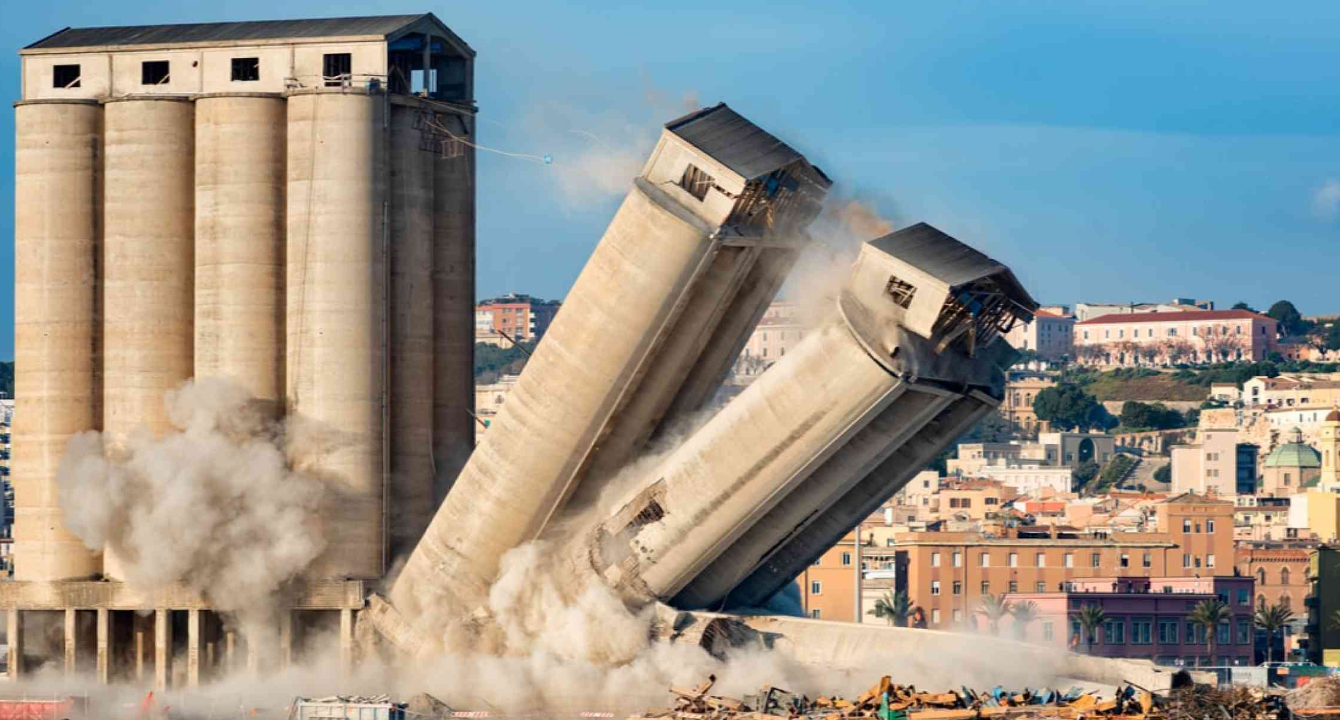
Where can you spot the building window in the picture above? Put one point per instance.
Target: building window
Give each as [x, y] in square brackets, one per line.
[154, 72]
[1048, 633]
[958, 559]
[696, 182]
[1186, 560]
[1209, 560]
[958, 616]
[935, 587]
[1168, 632]
[65, 76]
[935, 559]
[1223, 634]
[1014, 559]
[846, 559]
[1147, 561]
[337, 68]
[1186, 526]
[958, 587]
[1014, 586]
[1244, 632]
[1125, 560]
[935, 616]
[1096, 560]
[901, 292]
[1142, 632]
[817, 588]
[1070, 560]
[1209, 526]
[1040, 587]
[1284, 576]
[1042, 560]
[1244, 596]
[246, 69]
[816, 614]
[986, 587]
[1114, 632]
[986, 560]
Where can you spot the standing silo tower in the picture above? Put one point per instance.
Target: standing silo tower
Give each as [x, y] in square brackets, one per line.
[288, 205]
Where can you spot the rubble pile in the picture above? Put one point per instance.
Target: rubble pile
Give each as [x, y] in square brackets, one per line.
[1322, 692]
[889, 701]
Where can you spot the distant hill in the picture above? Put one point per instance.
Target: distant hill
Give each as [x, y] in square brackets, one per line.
[1148, 386]
[7, 378]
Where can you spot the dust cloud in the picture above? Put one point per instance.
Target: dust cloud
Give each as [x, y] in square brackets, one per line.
[215, 505]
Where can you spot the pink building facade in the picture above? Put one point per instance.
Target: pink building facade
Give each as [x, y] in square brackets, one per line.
[1168, 338]
[1049, 335]
[1146, 618]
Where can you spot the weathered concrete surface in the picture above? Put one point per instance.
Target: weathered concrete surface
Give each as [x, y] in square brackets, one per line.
[57, 347]
[121, 596]
[239, 242]
[337, 326]
[523, 469]
[149, 267]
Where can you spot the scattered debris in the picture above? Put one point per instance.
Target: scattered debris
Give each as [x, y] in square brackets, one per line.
[1322, 692]
[426, 706]
[889, 701]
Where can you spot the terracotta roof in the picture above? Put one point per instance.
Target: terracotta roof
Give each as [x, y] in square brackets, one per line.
[1053, 316]
[1183, 315]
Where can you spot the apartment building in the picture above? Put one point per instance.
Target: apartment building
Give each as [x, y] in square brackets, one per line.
[1192, 336]
[1017, 408]
[948, 573]
[1049, 335]
[779, 330]
[521, 317]
[1310, 392]
[1215, 463]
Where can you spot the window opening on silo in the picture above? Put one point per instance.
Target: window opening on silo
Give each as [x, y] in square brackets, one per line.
[696, 182]
[246, 69]
[337, 68]
[900, 291]
[154, 72]
[65, 76]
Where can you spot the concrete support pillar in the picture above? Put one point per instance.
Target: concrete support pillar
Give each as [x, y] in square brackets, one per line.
[139, 651]
[104, 646]
[346, 639]
[285, 639]
[15, 629]
[193, 640]
[230, 651]
[211, 658]
[71, 649]
[253, 656]
[162, 648]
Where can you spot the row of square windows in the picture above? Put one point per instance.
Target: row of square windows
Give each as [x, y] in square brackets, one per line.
[244, 69]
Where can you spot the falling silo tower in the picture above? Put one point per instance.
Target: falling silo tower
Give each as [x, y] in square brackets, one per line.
[716, 195]
[57, 229]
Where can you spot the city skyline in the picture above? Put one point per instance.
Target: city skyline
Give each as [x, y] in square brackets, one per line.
[1120, 186]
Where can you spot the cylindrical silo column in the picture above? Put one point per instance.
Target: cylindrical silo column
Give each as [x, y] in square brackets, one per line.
[239, 241]
[411, 293]
[57, 196]
[149, 270]
[791, 559]
[763, 445]
[905, 417]
[337, 324]
[524, 468]
[453, 268]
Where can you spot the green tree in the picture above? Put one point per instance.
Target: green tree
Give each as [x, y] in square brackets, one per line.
[1024, 613]
[1331, 336]
[1240, 305]
[1085, 472]
[1209, 614]
[1163, 474]
[893, 607]
[7, 378]
[1291, 321]
[1154, 416]
[1091, 617]
[1271, 619]
[1068, 407]
[993, 608]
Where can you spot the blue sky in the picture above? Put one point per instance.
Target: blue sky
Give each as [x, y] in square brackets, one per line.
[1107, 151]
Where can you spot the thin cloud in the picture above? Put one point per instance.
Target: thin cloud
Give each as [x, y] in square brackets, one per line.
[1326, 200]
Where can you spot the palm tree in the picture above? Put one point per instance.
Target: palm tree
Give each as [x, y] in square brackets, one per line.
[1209, 614]
[893, 607]
[1091, 617]
[1271, 619]
[993, 608]
[1024, 613]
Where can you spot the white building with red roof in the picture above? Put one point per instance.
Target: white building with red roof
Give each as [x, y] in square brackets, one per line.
[1167, 338]
[1049, 335]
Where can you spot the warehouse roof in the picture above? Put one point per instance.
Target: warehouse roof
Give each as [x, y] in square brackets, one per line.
[733, 141]
[236, 32]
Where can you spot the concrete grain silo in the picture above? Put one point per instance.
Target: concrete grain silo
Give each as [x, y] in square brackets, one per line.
[239, 241]
[148, 266]
[829, 413]
[337, 319]
[57, 208]
[715, 190]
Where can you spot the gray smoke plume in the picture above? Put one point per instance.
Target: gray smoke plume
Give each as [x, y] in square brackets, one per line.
[215, 505]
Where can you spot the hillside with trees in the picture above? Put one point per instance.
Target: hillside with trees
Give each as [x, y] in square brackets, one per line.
[7, 378]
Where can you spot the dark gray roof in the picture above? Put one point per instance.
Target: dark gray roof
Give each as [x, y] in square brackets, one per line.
[734, 141]
[944, 257]
[226, 31]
